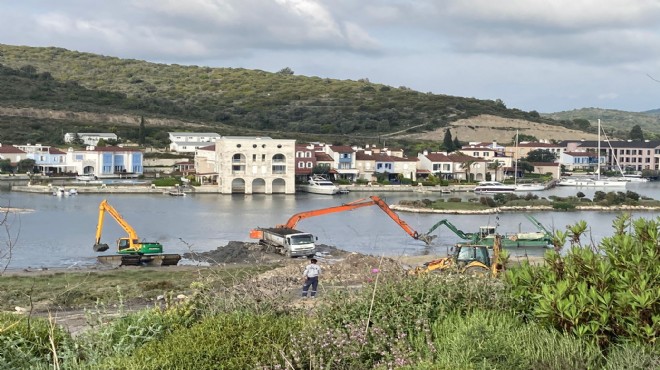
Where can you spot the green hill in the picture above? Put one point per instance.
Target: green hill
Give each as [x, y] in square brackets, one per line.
[224, 100]
[618, 122]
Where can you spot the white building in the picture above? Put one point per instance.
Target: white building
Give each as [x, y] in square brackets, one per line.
[255, 165]
[107, 161]
[206, 170]
[188, 142]
[89, 138]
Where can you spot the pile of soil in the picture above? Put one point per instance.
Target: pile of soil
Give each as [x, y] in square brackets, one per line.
[236, 252]
[339, 268]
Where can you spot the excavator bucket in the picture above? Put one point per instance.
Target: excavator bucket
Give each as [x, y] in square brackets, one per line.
[100, 247]
[426, 238]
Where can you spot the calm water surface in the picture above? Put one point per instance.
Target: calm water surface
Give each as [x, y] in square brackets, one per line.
[60, 232]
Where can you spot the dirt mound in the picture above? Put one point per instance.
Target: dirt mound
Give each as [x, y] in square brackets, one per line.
[244, 253]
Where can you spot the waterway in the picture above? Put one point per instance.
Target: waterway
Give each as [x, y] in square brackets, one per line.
[60, 231]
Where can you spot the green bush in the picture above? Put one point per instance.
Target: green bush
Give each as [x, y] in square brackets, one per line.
[563, 206]
[239, 340]
[605, 294]
[401, 307]
[25, 343]
[343, 182]
[499, 340]
[169, 181]
[454, 200]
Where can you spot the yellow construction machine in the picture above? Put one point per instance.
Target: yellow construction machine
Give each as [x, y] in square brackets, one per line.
[473, 259]
[130, 250]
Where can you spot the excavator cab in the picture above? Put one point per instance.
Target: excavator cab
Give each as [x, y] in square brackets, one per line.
[473, 259]
[466, 254]
[123, 243]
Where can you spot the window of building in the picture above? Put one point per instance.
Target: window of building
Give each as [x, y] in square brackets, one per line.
[308, 155]
[301, 164]
[254, 157]
[263, 158]
[379, 166]
[238, 145]
[309, 164]
[254, 146]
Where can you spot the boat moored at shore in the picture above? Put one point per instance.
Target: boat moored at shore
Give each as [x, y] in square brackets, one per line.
[493, 187]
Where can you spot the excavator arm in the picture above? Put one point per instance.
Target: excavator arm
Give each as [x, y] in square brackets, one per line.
[450, 226]
[373, 200]
[103, 208]
[293, 220]
[538, 225]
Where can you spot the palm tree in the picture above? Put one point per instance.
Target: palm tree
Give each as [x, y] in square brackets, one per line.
[466, 166]
[495, 166]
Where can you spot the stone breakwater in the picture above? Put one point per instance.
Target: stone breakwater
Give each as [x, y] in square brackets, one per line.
[113, 189]
[620, 208]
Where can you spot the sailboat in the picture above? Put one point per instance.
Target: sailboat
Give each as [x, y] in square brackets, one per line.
[526, 186]
[598, 181]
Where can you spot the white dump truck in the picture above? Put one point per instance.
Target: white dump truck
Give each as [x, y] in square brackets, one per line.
[286, 241]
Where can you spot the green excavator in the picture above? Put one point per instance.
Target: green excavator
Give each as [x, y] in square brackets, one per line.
[486, 235]
[130, 251]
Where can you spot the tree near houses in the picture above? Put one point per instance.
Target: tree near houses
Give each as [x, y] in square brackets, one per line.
[448, 142]
[457, 144]
[141, 132]
[467, 166]
[495, 166]
[541, 155]
[636, 133]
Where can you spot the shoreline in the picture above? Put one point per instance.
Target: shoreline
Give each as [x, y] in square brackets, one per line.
[504, 209]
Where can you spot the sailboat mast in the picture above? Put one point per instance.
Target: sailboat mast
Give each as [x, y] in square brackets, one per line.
[515, 158]
[598, 152]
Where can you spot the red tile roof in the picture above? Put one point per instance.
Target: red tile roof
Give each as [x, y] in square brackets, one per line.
[10, 149]
[544, 164]
[362, 156]
[538, 145]
[55, 151]
[438, 157]
[208, 147]
[323, 157]
[341, 149]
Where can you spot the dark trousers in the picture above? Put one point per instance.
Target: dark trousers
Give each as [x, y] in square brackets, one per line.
[313, 282]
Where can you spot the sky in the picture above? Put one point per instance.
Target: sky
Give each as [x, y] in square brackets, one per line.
[542, 55]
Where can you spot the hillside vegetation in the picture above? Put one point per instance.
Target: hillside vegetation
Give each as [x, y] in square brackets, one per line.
[617, 122]
[55, 78]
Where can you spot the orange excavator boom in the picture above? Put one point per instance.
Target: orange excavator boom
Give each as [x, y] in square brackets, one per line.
[364, 202]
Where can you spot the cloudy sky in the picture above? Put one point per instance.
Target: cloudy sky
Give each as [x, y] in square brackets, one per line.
[543, 55]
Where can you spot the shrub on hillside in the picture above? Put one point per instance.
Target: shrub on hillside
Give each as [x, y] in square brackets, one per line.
[29, 342]
[606, 294]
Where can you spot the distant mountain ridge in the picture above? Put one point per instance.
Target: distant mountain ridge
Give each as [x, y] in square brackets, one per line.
[619, 122]
[222, 99]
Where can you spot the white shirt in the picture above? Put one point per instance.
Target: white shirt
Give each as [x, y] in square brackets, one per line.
[312, 270]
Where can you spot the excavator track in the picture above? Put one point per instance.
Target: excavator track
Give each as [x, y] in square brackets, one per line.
[140, 260]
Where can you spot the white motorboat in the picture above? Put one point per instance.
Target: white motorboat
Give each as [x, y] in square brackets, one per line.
[62, 192]
[530, 187]
[86, 177]
[320, 185]
[524, 186]
[493, 187]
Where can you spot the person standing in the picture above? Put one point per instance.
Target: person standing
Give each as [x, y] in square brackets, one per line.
[311, 278]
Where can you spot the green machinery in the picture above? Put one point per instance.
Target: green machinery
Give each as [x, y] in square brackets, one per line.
[486, 235]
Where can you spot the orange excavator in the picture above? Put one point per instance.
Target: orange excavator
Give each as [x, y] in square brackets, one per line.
[365, 202]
